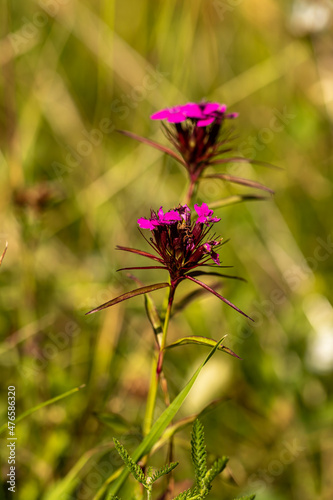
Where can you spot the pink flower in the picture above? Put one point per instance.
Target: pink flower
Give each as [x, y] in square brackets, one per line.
[182, 244]
[205, 214]
[159, 219]
[168, 217]
[203, 113]
[196, 131]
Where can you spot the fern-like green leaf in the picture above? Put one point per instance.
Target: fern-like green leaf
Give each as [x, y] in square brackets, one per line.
[199, 454]
[129, 462]
[185, 495]
[163, 471]
[216, 469]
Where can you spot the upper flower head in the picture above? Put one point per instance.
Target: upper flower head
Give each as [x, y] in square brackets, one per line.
[202, 114]
[195, 133]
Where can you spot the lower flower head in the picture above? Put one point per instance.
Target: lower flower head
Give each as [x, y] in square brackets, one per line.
[181, 243]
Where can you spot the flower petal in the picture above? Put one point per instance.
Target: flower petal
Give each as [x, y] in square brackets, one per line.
[161, 115]
[146, 223]
[176, 117]
[171, 216]
[192, 110]
[211, 107]
[204, 123]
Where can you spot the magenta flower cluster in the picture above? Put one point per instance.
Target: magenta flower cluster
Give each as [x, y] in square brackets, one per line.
[181, 243]
[203, 212]
[203, 113]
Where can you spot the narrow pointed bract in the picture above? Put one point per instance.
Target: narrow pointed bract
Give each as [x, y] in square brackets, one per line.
[129, 295]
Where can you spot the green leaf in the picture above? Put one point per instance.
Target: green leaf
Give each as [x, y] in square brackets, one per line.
[157, 430]
[199, 454]
[196, 339]
[163, 471]
[130, 463]
[129, 295]
[185, 495]
[217, 467]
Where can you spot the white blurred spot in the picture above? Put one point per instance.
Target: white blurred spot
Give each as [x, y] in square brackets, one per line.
[319, 312]
[309, 17]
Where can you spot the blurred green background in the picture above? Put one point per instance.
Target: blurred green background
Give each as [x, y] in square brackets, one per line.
[72, 188]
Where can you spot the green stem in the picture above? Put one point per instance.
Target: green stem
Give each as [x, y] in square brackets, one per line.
[157, 368]
[191, 192]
